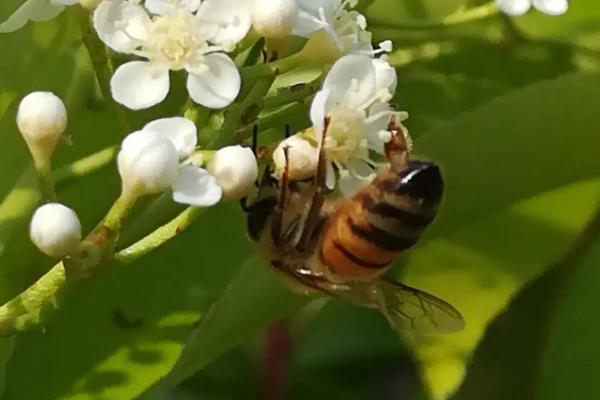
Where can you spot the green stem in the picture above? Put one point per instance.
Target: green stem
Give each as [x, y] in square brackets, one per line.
[274, 120]
[24, 310]
[512, 34]
[278, 67]
[290, 95]
[45, 181]
[194, 112]
[462, 17]
[118, 212]
[86, 165]
[160, 236]
[29, 308]
[241, 114]
[102, 65]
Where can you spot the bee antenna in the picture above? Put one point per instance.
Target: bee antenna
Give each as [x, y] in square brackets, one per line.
[396, 150]
[321, 163]
[255, 140]
[287, 131]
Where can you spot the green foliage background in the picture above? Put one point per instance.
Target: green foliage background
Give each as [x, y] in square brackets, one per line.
[509, 110]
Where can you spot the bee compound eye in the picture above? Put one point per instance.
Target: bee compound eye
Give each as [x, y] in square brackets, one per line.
[422, 180]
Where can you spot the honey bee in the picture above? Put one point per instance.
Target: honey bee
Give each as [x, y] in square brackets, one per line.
[341, 247]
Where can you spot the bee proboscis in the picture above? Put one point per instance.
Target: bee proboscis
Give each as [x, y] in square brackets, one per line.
[341, 247]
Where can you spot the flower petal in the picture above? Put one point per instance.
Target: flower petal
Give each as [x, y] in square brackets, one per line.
[139, 84]
[552, 7]
[312, 6]
[196, 187]
[318, 110]
[330, 177]
[169, 7]
[233, 18]
[306, 24]
[218, 85]
[514, 7]
[359, 168]
[31, 10]
[122, 25]
[352, 81]
[180, 131]
[385, 75]
[376, 124]
[350, 184]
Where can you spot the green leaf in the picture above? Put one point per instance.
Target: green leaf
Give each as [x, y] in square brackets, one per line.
[252, 300]
[479, 268]
[507, 363]
[408, 11]
[571, 361]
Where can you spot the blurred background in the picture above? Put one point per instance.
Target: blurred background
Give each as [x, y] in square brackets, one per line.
[509, 107]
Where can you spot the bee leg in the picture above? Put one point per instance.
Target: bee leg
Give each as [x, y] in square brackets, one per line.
[291, 230]
[287, 131]
[277, 224]
[314, 213]
[244, 200]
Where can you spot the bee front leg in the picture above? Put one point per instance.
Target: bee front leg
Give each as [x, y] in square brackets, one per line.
[277, 218]
[313, 216]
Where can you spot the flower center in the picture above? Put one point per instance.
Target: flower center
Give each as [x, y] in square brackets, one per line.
[346, 136]
[174, 40]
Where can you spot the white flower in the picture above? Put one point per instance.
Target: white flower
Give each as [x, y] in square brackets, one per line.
[55, 229]
[42, 119]
[520, 7]
[164, 7]
[275, 18]
[235, 169]
[172, 40]
[332, 29]
[354, 101]
[34, 10]
[150, 162]
[302, 155]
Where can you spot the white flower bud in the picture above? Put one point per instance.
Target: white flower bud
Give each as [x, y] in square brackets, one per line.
[235, 169]
[303, 158]
[147, 163]
[55, 229]
[42, 119]
[275, 18]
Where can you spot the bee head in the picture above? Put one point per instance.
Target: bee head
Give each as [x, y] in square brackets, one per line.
[423, 181]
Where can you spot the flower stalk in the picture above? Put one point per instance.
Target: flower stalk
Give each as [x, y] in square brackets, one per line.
[101, 63]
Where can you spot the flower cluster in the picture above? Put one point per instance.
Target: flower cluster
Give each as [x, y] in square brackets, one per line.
[205, 42]
[172, 36]
[354, 98]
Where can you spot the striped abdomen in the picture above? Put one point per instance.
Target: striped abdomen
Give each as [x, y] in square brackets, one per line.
[388, 216]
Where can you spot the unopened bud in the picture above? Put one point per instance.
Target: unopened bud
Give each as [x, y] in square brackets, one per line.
[42, 119]
[302, 158]
[235, 169]
[275, 18]
[55, 229]
[147, 163]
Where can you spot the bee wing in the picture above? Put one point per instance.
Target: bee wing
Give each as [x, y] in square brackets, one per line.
[405, 308]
